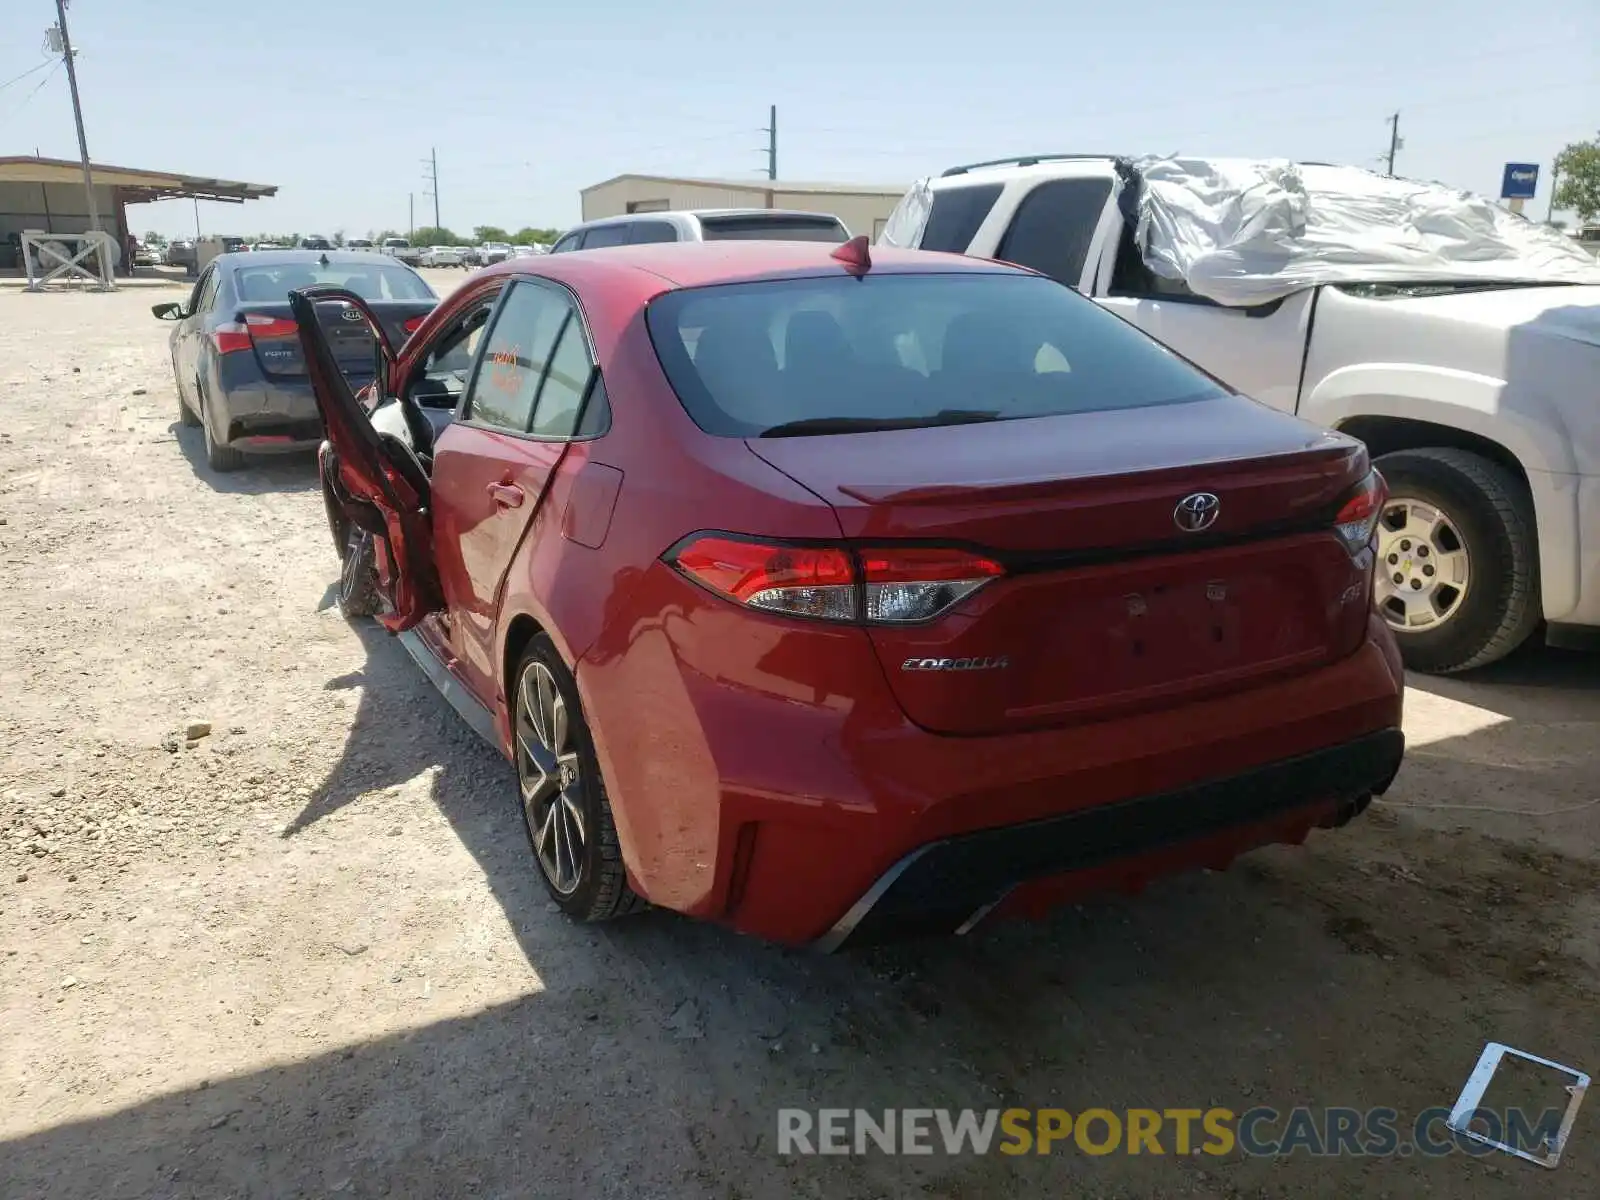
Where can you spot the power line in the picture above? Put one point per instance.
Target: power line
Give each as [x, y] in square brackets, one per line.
[52, 61]
[56, 66]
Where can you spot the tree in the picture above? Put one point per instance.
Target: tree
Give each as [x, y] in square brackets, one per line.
[1578, 179]
[489, 233]
[528, 236]
[433, 235]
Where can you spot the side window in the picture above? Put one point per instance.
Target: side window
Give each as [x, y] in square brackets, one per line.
[208, 293]
[515, 356]
[1053, 227]
[198, 296]
[606, 235]
[653, 231]
[956, 214]
[443, 373]
[570, 242]
[566, 381]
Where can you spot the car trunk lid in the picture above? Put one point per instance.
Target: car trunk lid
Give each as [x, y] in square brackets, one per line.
[1110, 601]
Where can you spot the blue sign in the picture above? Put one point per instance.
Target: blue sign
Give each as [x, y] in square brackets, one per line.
[1520, 181]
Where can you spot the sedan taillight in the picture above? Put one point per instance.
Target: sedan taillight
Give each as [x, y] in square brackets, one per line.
[877, 585]
[1357, 519]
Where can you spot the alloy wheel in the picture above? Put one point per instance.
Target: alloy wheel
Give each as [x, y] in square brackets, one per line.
[551, 779]
[357, 560]
[1423, 569]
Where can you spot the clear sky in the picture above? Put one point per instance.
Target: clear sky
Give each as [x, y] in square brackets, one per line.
[526, 103]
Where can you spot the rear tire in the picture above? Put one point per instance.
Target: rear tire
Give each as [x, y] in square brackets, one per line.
[219, 456]
[565, 810]
[1489, 514]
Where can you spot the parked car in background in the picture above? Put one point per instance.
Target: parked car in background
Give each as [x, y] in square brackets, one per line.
[441, 256]
[180, 253]
[494, 252]
[470, 256]
[951, 593]
[528, 251]
[314, 241]
[358, 244]
[400, 248]
[269, 246]
[1469, 373]
[236, 357]
[709, 225]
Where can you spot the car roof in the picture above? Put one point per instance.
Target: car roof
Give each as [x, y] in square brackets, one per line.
[702, 264]
[290, 256]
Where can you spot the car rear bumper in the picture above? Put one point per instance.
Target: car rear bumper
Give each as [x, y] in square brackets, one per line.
[950, 885]
[263, 416]
[807, 809]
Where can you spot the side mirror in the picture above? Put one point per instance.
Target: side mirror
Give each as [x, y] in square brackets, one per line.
[170, 311]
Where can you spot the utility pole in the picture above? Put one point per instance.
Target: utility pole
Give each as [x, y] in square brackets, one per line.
[1394, 141]
[1550, 212]
[77, 113]
[432, 163]
[772, 142]
[411, 219]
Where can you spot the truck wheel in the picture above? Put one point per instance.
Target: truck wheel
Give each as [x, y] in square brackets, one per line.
[1457, 576]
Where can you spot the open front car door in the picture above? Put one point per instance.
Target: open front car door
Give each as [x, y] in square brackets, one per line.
[374, 484]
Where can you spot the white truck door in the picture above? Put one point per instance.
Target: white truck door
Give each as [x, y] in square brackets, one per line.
[1259, 351]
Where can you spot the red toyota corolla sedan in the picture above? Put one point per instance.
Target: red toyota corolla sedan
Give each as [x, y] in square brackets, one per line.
[839, 595]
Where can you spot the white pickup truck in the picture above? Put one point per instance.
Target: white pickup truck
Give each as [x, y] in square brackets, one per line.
[1462, 344]
[399, 247]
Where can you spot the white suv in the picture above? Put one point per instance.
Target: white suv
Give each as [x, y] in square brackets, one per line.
[1479, 398]
[705, 225]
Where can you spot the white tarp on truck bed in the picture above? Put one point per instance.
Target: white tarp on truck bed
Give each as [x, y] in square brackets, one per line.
[1247, 231]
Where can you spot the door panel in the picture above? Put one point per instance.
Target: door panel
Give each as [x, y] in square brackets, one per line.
[487, 486]
[1259, 355]
[374, 479]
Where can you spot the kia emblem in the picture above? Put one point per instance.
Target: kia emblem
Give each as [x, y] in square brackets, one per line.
[351, 314]
[1196, 512]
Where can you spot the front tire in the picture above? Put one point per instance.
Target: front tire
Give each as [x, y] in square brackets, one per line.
[565, 810]
[358, 594]
[1457, 576]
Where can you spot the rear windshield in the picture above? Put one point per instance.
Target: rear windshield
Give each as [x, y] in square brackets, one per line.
[377, 282]
[841, 354]
[776, 229]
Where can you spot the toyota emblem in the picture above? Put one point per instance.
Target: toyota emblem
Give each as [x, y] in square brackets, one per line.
[1196, 512]
[351, 314]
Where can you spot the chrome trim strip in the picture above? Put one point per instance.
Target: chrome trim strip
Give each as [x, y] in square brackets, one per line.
[845, 925]
[457, 696]
[973, 921]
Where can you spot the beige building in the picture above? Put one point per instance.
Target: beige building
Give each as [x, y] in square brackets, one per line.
[863, 207]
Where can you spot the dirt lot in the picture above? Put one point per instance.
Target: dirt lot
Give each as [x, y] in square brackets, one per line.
[308, 956]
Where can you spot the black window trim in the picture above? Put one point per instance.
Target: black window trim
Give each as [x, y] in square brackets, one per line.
[574, 310]
[1004, 245]
[498, 290]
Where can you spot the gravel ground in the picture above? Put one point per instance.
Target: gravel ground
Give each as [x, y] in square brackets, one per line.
[303, 952]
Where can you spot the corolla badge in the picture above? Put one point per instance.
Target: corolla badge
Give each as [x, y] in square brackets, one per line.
[1196, 512]
[989, 663]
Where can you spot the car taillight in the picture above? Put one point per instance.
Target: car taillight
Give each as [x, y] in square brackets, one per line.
[412, 324]
[1357, 519]
[260, 325]
[231, 337]
[878, 585]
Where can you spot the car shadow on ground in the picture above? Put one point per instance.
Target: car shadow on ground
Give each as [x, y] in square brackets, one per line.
[295, 472]
[1364, 970]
